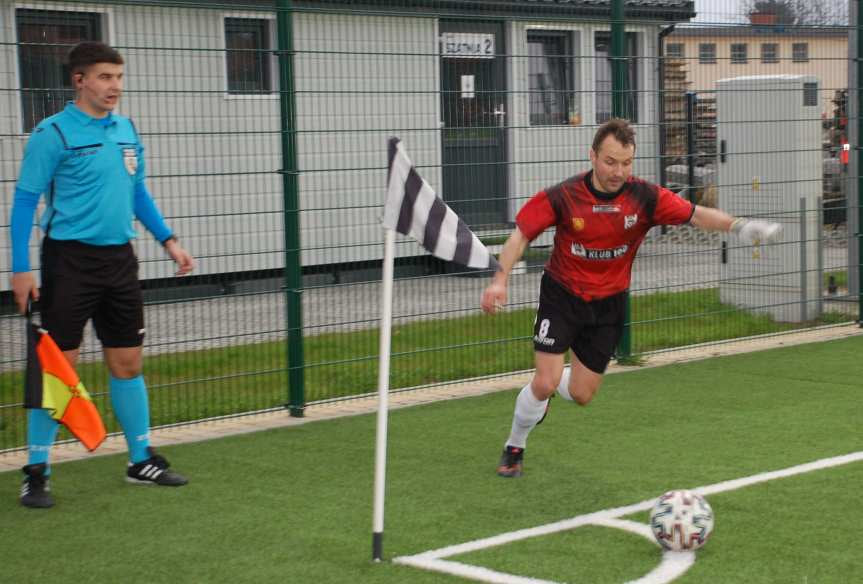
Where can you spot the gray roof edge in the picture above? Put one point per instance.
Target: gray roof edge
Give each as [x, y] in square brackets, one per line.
[671, 10]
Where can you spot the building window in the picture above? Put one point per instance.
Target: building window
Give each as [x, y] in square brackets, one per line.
[738, 53]
[550, 75]
[810, 94]
[44, 40]
[707, 53]
[675, 50]
[248, 44]
[800, 52]
[602, 46]
[769, 53]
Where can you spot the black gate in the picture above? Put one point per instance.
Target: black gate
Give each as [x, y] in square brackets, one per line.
[473, 103]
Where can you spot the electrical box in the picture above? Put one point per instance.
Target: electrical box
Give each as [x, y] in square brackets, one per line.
[770, 167]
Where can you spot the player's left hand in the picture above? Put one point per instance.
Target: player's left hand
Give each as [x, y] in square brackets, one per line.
[755, 231]
[184, 260]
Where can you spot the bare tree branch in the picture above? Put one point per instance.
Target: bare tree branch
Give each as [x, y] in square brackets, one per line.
[801, 12]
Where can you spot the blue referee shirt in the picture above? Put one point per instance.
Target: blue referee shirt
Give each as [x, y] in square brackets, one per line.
[88, 169]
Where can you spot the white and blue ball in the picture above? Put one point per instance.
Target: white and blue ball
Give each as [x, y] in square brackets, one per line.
[681, 520]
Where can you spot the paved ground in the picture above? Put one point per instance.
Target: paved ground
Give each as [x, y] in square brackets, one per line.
[279, 419]
[665, 265]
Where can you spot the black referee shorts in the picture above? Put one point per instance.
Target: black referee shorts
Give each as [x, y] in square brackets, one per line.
[591, 329]
[80, 282]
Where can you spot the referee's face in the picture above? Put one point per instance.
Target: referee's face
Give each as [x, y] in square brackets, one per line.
[612, 165]
[99, 88]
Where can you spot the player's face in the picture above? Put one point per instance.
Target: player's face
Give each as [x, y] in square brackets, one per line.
[612, 165]
[99, 88]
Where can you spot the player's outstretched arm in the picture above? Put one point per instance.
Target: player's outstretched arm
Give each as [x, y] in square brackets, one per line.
[494, 296]
[748, 230]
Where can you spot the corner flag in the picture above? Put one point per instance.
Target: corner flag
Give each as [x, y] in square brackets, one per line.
[412, 208]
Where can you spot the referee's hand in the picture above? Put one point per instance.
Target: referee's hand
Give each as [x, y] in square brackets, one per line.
[493, 298]
[23, 289]
[184, 260]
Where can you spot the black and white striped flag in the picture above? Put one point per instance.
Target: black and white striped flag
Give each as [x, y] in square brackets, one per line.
[412, 208]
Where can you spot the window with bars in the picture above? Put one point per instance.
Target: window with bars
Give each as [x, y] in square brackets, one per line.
[707, 53]
[550, 78]
[675, 50]
[800, 52]
[769, 53]
[248, 56]
[604, 96]
[44, 40]
[739, 53]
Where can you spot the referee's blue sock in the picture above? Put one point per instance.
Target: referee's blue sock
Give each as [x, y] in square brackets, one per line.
[41, 432]
[132, 408]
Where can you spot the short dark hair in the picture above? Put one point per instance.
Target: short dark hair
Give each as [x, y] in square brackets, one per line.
[89, 53]
[617, 127]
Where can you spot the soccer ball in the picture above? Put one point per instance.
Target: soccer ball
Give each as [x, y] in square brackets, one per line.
[681, 520]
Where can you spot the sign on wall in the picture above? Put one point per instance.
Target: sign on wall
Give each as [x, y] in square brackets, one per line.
[467, 45]
[468, 83]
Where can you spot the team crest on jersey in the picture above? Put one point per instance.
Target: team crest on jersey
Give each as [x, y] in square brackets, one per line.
[578, 223]
[130, 159]
[606, 209]
[629, 221]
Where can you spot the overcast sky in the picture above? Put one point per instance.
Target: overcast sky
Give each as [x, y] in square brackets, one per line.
[718, 11]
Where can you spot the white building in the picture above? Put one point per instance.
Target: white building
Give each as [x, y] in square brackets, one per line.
[493, 100]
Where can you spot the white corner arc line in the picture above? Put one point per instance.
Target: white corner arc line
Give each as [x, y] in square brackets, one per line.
[476, 573]
[673, 564]
[433, 559]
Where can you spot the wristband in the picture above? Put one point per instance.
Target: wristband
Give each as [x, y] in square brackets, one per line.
[171, 237]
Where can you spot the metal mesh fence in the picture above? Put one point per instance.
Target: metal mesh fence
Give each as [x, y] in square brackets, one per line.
[266, 127]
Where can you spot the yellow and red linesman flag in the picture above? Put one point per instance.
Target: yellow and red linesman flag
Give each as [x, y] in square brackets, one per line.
[52, 384]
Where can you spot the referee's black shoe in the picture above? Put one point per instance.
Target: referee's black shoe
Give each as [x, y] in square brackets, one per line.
[154, 471]
[510, 462]
[35, 489]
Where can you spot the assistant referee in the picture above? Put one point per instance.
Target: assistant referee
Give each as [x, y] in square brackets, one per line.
[89, 163]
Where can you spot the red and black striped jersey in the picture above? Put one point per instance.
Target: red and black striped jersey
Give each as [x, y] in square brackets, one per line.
[598, 234]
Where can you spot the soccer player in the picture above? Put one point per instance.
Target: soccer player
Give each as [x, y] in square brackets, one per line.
[601, 217]
[89, 162]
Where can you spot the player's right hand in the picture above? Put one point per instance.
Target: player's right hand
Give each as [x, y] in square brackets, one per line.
[493, 298]
[23, 289]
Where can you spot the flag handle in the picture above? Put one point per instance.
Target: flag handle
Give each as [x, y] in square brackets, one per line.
[383, 394]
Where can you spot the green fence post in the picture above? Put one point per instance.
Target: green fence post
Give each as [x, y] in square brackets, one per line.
[293, 274]
[858, 56]
[619, 110]
[618, 63]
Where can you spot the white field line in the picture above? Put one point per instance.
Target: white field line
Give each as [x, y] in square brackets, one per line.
[433, 559]
[673, 564]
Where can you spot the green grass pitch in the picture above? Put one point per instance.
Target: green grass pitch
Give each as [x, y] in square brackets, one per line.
[294, 504]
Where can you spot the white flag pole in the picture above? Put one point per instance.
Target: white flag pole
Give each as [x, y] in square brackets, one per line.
[383, 395]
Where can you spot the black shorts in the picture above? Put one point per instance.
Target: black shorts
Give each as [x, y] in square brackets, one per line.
[80, 282]
[565, 321]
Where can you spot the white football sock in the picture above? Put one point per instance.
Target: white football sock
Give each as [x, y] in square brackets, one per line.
[563, 386]
[528, 411]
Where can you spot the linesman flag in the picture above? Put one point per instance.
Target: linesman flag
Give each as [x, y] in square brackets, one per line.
[52, 384]
[412, 208]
